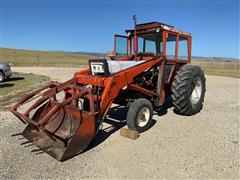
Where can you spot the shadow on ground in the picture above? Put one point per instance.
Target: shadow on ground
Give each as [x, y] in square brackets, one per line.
[6, 84]
[14, 79]
[115, 120]
[164, 109]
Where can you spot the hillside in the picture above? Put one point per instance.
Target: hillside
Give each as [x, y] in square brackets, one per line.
[16, 57]
[42, 58]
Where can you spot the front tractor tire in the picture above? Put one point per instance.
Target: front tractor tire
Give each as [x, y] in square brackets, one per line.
[188, 90]
[139, 116]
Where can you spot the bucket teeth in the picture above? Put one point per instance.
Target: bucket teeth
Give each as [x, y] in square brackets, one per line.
[26, 142]
[69, 138]
[41, 149]
[20, 134]
[59, 128]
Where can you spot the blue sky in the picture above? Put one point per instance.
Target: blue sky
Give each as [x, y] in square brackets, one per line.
[89, 25]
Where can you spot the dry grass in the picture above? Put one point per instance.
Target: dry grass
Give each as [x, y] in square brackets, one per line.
[17, 85]
[60, 59]
[220, 68]
[42, 58]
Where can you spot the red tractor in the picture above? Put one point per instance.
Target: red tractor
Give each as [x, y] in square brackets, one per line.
[149, 64]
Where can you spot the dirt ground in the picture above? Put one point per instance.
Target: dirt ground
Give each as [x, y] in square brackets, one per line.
[202, 146]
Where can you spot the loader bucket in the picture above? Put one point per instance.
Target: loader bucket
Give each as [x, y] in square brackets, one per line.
[61, 129]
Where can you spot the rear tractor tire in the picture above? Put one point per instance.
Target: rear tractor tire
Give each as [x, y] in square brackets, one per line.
[139, 116]
[188, 90]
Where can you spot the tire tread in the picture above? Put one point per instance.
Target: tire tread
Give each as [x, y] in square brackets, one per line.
[180, 90]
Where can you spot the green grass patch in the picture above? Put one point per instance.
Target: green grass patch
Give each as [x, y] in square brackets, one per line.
[15, 87]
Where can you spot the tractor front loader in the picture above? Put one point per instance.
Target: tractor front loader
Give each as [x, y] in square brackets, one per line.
[63, 118]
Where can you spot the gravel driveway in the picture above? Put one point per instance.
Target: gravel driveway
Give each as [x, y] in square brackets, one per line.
[202, 146]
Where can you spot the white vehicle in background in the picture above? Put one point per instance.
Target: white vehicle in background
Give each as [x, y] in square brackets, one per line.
[5, 72]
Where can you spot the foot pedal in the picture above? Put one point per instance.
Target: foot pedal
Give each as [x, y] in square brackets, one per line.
[128, 133]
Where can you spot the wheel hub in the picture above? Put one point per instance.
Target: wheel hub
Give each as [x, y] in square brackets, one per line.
[197, 90]
[143, 116]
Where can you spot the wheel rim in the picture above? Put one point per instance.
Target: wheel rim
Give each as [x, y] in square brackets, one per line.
[143, 117]
[1, 78]
[197, 90]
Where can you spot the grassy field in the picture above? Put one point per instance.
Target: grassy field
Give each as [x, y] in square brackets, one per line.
[42, 58]
[220, 68]
[17, 85]
[60, 59]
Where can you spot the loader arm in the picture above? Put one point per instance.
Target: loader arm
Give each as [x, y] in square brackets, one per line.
[114, 83]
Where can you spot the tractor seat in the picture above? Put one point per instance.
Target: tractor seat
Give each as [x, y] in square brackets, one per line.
[145, 56]
[140, 56]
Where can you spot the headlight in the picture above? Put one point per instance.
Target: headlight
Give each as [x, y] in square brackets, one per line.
[99, 67]
[6, 67]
